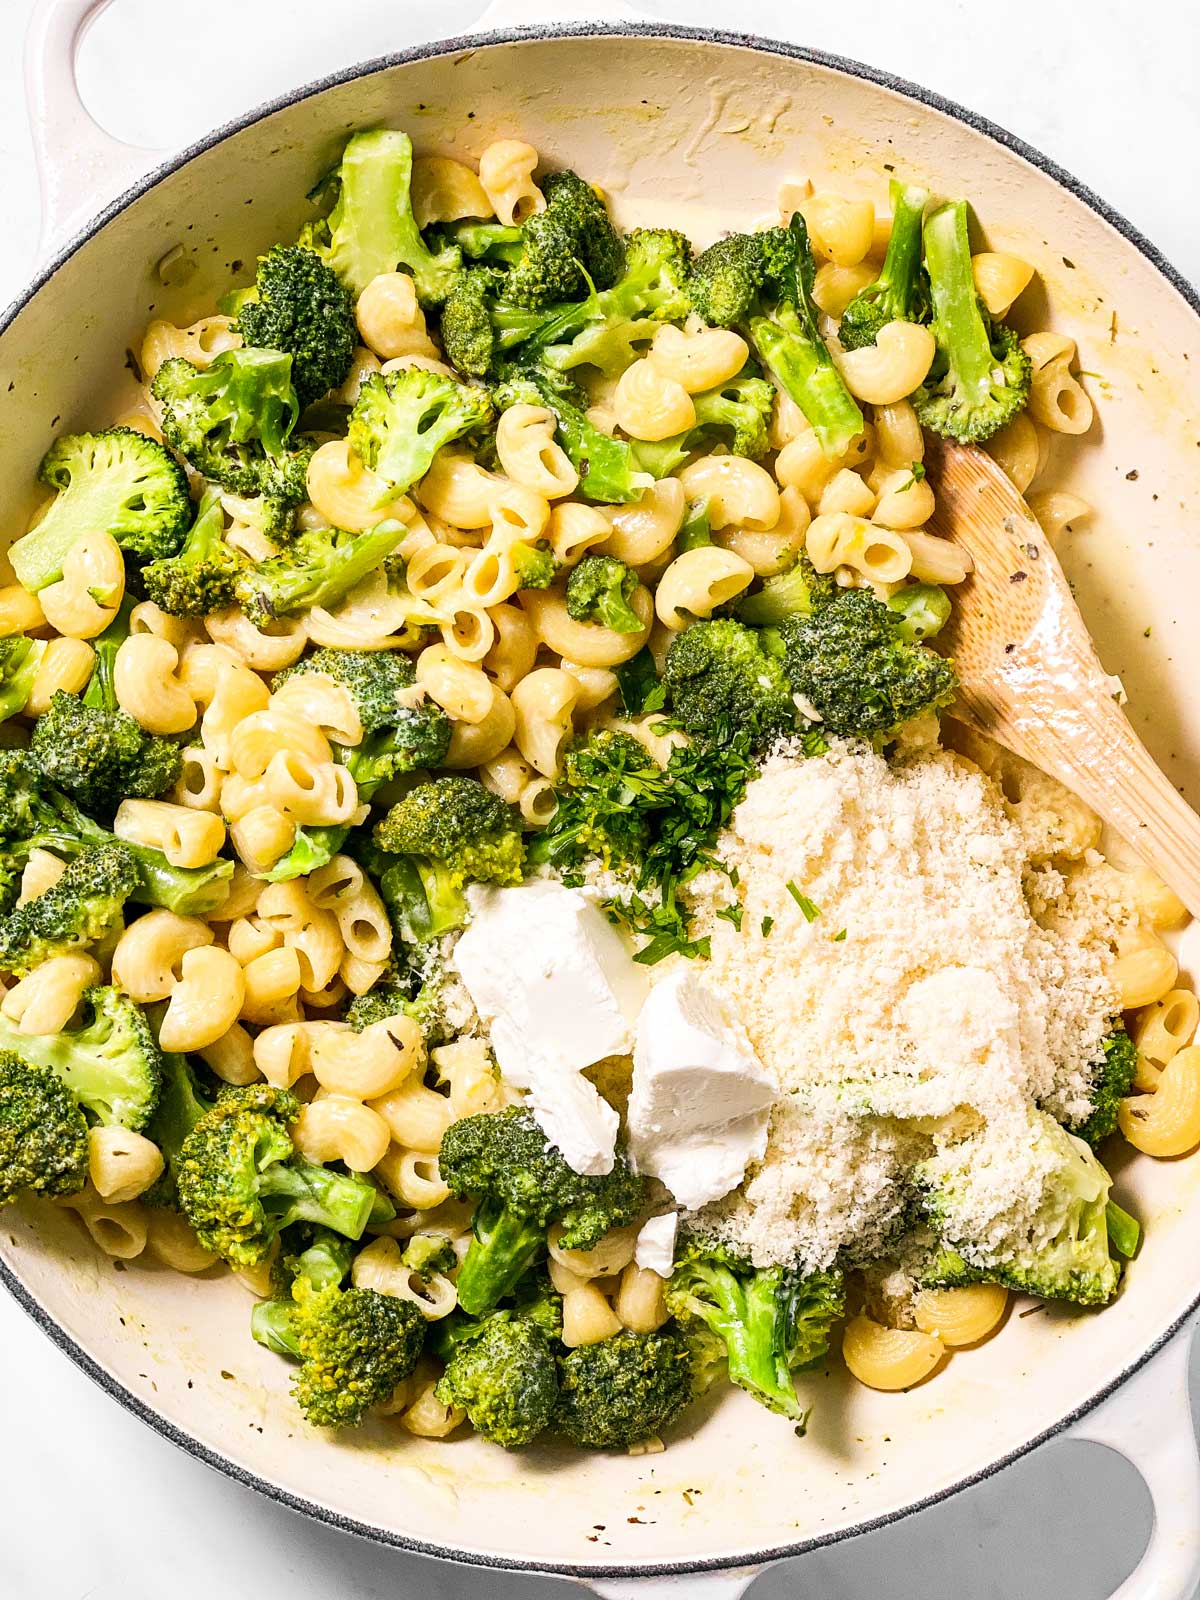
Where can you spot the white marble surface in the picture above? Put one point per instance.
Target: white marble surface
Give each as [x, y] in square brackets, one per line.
[93, 1506]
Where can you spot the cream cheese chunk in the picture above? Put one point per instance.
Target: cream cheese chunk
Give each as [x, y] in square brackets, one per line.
[654, 1248]
[558, 989]
[701, 1098]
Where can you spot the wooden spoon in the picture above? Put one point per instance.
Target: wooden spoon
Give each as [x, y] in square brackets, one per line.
[1031, 679]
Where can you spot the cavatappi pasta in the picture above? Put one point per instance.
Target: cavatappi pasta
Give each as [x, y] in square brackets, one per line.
[498, 563]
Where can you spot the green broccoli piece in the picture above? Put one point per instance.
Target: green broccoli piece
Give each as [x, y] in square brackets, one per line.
[720, 680]
[521, 1184]
[505, 1378]
[355, 1347]
[371, 228]
[234, 422]
[110, 1063]
[181, 1104]
[496, 242]
[318, 1255]
[852, 663]
[800, 589]
[625, 1389]
[83, 907]
[202, 578]
[390, 996]
[1124, 1231]
[403, 419]
[1075, 1263]
[1112, 1080]
[299, 306]
[771, 1321]
[606, 466]
[43, 1133]
[442, 835]
[599, 590]
[762, 283]
[534, 564]
[119, 481]
[565, 250]
[901, 291]
[923, 610]
[20, 658]
[316, 568]
[101, 757]
[735, 414]
[468, 335]
[980, 378]
[240, 1180]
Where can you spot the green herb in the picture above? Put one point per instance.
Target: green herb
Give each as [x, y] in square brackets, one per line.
[696, 530]
[811, 911]
[917, 471]
[767, 924]
[838, 937]
[639, 685]
[733, 913]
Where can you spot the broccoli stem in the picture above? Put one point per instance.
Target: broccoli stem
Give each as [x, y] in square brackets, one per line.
[923, 610]
[697, 528]
[962, 335]
[901, 268]
[504, 1248]
[304, 1192]
[797, 356]
[1124, 1231]
[272, 1325]
[756, 1363]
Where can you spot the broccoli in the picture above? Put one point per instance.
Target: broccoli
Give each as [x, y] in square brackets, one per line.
[181, 1104]
[316, 568]
[110, 1063]
[469, 337]
[240, 1180]
[980, 377]
[1112, 1080]
[20, 658]
[534, 564]
[299, 306]
[638, 684]
[390, 996]
[522, 1184]
[771, 1321]
[119, 481]
[696, 531]
[599, 590]
[625, 1389]
[1074, 1264]
[800, 589]
[497, 242]
[735, 414]
[503, 1374]
[83, 907]
[201, 579]
[318, 1254]
[564, 251]
[901, 292]
[762, 283]
[923, 610]
[43, 1133]
[354, 1347]
[606, 466]
[720, 680]
[403, 419]
[1124, 1231]
[33, 814]
[101, 757]
[852, 663]
[233, 422]
[444, 834]
[399, 734]
[371, 228]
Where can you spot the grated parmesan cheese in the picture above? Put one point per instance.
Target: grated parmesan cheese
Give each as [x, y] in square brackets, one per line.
[923, 988]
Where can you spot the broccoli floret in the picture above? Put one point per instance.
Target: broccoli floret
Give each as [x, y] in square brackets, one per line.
[852, 663]
[535, 565]
[390, 996]
[402, 419]
[298, 305]
[20, 658]
[624, 1389]
[564, 251]
[448, 832]
[762, 283]
[720, 680]
[233, 422]
[901, 291]
[800, 589]
[468, 336]
[922, 610]
[1074, 1264]
[202, 577]
[43, 1133]
[599, 590]
[83, 907]
[101, 757]
[771, 1321]
[522, 1184]
[980, 377]
[606, 466]
[315, 569]
[33, 814]
[110, 1063]
[735, 414]
[240, 1180]
[371, 228]
[119, 481]
[181, 1104]
[1112, 1080]
[505, 1378]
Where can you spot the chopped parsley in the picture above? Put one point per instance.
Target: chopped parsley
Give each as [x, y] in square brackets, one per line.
[767, 924]
[810, 910]
[838, 937]
[732, 913]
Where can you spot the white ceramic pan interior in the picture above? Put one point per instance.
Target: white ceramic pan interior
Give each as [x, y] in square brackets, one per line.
[699, 130]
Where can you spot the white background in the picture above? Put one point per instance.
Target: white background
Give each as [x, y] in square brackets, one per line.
[93, 1506]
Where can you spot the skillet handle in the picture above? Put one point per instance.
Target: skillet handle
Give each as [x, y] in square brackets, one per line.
[80, 167]
[527, 13]
[730, 1585]
[1149, 1421]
